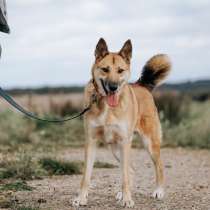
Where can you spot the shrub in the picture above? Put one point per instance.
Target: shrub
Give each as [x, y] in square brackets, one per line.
[193, 131]
[173, 107]
[22, 168]
[14, 129]
[56, 167]
[63, 109]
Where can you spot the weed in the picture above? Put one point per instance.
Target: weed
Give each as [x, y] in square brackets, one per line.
[22, 168]
[99, 164]
[25, 208]
[16, 186]
[56, 167]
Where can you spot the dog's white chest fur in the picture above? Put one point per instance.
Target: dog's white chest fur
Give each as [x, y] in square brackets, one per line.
[113, 130]
[115, 133]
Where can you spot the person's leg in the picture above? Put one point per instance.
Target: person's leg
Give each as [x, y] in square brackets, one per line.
[4, 27]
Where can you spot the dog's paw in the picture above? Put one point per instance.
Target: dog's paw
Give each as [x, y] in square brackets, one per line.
[158, 193]
[128, 203]
[79, 201]
[119, 196]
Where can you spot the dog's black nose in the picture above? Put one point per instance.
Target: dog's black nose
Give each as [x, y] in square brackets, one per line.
[113, 86]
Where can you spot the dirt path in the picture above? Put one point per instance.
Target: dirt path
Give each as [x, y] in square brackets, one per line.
[187, 183]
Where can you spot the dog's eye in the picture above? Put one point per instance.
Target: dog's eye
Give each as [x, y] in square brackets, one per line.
[120, 71]
[105, 70]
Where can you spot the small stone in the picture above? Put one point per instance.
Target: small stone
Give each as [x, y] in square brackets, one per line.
[41, 200]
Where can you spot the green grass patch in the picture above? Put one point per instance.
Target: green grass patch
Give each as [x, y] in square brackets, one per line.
[16, 186]
[99, 164]
[193, 131]
[26, 208]
[19, 132]
[58, 167]
[21, 168]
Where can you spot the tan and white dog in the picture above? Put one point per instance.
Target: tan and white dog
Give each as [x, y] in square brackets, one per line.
[121, 110]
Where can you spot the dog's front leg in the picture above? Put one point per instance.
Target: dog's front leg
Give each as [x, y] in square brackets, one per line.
[90, 149]
[125, 168]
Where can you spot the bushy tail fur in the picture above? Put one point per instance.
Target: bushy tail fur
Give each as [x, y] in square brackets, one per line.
[155, 71]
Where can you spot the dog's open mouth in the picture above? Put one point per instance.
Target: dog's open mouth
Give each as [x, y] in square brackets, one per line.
[112, 99]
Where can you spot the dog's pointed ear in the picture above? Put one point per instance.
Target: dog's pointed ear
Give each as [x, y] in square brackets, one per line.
[126, 51]
[101, 49]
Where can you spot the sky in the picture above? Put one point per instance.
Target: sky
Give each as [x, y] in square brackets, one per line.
[52, 42]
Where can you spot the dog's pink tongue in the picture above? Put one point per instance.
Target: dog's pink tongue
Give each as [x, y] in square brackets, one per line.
[112, 100]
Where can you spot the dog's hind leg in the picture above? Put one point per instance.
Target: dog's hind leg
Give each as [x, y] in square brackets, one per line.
[150, 130]
[154, 151]
[90, 149]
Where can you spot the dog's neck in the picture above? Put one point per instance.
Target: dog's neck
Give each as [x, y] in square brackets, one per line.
[96, 95]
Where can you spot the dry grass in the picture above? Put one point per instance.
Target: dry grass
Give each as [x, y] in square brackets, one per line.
[182, 122]
[21, 166]
[185, 123]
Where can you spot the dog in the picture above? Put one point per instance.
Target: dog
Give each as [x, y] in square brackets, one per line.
[122, 109]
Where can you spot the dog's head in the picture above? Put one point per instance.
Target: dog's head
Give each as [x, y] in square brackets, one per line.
[111, 71]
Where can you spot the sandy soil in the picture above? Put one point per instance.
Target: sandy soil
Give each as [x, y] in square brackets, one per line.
[187, 175]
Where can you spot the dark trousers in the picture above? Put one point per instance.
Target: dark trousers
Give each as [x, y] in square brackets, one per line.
[3, 17]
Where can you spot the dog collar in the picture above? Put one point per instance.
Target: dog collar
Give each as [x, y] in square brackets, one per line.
[96, 96]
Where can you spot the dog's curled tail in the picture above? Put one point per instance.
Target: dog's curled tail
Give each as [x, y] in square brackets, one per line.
[155, 71]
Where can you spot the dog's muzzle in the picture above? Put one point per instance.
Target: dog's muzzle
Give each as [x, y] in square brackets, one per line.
[109, 87]
[113, 87]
